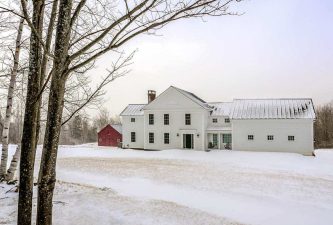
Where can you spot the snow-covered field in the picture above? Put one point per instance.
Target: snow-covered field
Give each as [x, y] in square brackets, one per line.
[103, 186]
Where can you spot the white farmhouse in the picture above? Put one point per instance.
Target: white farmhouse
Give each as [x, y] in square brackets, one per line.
[180, 119]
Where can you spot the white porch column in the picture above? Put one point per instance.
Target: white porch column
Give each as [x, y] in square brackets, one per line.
[219, 140]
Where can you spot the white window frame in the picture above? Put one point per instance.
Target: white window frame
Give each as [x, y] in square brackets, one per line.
[270, 137]
[166, 119]
[151, 119]
[166, 138]
[133, 137]
[151, 138]
[187, 119]
[291, 138]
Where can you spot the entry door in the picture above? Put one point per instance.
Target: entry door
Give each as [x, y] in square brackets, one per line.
[188, 141]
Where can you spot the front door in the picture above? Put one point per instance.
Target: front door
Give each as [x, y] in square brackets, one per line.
[188, 141]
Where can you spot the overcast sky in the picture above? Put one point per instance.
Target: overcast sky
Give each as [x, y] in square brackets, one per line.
[276, 49]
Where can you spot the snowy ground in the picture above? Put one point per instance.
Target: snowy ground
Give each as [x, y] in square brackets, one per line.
[100, 185]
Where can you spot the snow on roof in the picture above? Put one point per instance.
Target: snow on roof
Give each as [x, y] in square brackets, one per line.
[287, 108]
[221, 108]
[193, 97]
[133, 110]
[117, 127]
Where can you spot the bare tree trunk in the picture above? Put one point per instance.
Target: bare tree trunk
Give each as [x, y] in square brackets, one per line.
[5, 132]
[55, 109]
[45, 64]
[13, 165]
[28, 145]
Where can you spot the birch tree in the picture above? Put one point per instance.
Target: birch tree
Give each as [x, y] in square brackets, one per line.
[9, 107]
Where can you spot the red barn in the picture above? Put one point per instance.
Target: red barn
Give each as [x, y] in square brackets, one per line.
[110, 135]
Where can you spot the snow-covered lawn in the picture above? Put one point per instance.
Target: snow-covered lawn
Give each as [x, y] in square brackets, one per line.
[100, 185]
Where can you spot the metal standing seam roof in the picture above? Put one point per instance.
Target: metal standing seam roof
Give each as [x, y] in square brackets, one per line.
[221, 108]
[291, 108]
[133, 110]
[279, 108]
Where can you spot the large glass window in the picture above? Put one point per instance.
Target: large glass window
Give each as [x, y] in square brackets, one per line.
[250, 137]
[187, 119]
[215, 140]
[214, 120]
[227, 120]
[227, 138]
[151, 119]
[166, 119]
[132, 120]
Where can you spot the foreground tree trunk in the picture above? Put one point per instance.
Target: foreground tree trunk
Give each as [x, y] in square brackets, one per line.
[5, 132]
[55, 109]
[28, 145]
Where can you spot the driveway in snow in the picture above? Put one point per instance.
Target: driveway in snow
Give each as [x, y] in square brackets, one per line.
[112, 186]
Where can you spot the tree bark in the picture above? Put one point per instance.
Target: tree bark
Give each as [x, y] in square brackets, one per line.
[5, 132]
[55, 109]
[28, 145]
[46, 64]
[13, 165]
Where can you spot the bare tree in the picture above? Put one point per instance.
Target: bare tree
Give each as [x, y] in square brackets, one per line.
[324, 126]
[10, 96]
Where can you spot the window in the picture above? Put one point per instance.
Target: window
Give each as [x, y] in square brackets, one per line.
[227, 120]
[214, 120]
[133, 138]
[132, 120]
[187, 119]
[250, 137]
[166, 119]
[151, 119]
[227, 138]
[270, 137]
[166, 138]
[215, 140]
[291, 138]
[151, 138]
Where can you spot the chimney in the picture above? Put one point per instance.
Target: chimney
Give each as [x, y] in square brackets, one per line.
[151, 96]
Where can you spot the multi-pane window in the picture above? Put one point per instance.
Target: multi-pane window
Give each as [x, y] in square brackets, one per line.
[132, 120]
[166, 138]
[166, 119]
[151, 119]
[151, 138]
[133, 138]
[226, 138]
[187, 119]
[214, 140]
[291, 138]
[214, 120]
[270, 137]
[250, 137]
[227, 120]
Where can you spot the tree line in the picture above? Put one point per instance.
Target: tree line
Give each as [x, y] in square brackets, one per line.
[323, 127]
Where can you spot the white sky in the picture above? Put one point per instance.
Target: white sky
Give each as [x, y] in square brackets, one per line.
[276, 49]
